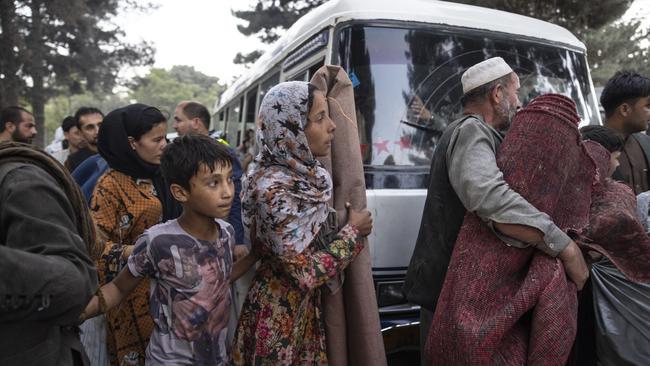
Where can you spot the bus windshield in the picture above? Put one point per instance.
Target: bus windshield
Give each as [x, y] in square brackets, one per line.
[407, 87]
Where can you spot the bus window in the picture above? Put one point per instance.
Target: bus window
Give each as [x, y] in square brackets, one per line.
[250, 105]
[241, 109]
[268, 84]
[234, 123]
[313, 68]
[307, 74]
[224, 124]
[392, 69]
[299, 77]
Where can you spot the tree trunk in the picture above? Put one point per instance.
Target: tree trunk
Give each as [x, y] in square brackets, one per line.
[37, 70]
[9, 62]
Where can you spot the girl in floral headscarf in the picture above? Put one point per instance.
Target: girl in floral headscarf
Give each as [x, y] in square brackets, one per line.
[285, 205]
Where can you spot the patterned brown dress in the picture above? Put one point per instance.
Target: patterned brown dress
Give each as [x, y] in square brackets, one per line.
[123, 208]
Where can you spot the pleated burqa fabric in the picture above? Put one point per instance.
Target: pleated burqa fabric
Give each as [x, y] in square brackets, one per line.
[615, 230]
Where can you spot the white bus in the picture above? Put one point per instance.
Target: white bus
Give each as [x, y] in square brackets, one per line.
[398, 52]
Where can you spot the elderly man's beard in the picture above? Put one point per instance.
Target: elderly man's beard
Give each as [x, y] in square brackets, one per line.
[505, 111]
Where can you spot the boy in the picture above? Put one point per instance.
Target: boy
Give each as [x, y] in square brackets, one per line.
[190, 259]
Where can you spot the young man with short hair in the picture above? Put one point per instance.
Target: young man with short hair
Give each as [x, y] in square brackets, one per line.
[88, 120]
[73, 136]
[190, 259]
[626, 100]
[17, 124]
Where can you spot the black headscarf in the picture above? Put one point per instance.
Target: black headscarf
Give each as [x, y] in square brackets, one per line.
[113, 145]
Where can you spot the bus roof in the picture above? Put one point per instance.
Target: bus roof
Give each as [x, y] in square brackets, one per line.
[422, 11]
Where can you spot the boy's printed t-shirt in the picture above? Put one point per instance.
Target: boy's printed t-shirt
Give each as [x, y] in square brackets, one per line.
[190, 297]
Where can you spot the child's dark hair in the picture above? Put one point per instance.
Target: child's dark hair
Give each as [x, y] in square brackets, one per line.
[183, 157]
[610, 139]
[623, 87]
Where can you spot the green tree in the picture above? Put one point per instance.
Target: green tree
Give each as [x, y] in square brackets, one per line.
[63, 46]
[267, 19]
[576, 15]
[159, 87]
[615, 47]
[165, 88]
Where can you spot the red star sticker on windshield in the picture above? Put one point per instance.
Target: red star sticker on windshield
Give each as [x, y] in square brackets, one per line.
[404, 142]
[381, 146]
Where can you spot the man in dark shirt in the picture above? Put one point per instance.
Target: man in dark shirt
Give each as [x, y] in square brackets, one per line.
[46, 273]
[626, 100]
[88, 121]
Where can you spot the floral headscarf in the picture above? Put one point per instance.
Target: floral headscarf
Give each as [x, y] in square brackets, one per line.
[287, 193]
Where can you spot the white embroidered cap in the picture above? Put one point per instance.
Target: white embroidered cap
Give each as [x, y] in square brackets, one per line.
[484, 72]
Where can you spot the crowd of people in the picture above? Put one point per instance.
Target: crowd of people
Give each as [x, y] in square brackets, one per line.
[123, 247]
[151, 235]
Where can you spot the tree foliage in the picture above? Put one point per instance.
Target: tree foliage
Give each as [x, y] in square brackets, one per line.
[615, 47]
[63, 46]
[248, 58]
[267, 19]
[165, 88]
[159, 87]
[575, 15]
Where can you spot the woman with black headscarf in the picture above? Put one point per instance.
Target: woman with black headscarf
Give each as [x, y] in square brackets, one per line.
[128, 199]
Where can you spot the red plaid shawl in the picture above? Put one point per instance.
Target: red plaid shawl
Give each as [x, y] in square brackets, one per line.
[507, 306]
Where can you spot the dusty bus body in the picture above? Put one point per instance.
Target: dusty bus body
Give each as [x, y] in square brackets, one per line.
[400, 54]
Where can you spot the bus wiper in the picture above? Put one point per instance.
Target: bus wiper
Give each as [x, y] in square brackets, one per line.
[419, 126]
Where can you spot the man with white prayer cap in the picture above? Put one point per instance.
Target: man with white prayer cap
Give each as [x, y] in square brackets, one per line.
[464, 176]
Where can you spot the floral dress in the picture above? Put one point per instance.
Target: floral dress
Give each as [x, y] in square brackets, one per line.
[281, 321]
[123, 208]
